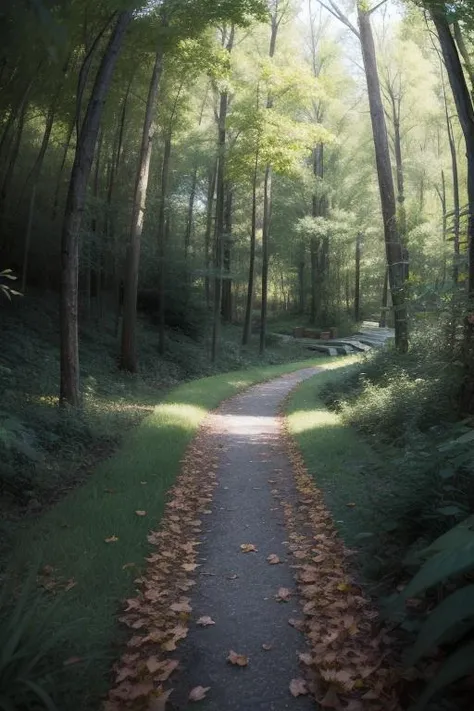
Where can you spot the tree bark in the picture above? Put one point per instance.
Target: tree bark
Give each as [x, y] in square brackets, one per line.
[357, 278]
[207, 236]
[393, 245]
[227, 246]
[128, 356]
[163, 220]
[253, 239]
[267, 199]
[220, 210]
[69, 389]
[189, 217]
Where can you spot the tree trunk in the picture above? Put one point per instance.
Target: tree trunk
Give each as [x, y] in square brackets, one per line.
[61, 169]
[383, 313]
[189, 218]
[220, 210]
[163, 220]
[128, 356]
[267, 200]
[401, 215]
[464, 106]
[253, 239]
[227, 282]
[393, 245]
[357, 279]
[301, 283]
[207, 236]
[69, 390]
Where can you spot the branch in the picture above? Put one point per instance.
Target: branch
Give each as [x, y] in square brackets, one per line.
[339, 15]
[379, 4]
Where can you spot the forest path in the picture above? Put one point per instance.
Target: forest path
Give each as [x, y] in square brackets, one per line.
[236, 589]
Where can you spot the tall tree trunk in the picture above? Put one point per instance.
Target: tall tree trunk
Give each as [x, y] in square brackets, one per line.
[301, 282]
[189, 217]
[57, 189]
[253, 240]
[397, 141]
[357, 278]
[227, 246]
[163, 221]
[6, 184]
[207, 236]
[393, 245]
[128, 356]
[267, 198]
[220, 210]
[383, 312]
[465, 110]
[69, 390]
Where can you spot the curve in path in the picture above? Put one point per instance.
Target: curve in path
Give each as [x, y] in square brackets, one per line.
[238, 589]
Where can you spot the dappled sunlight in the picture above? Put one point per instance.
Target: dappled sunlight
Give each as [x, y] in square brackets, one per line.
[188, 415]
[245, 424]
[303, 420]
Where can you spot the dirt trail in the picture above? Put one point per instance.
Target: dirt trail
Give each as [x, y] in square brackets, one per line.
[236, 589]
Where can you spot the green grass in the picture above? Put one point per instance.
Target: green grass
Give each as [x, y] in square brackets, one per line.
[344, 465]
[70, 537]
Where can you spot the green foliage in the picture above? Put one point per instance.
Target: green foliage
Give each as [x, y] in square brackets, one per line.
[27, 678]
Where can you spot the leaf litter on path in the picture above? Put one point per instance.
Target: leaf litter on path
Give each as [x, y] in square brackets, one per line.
[350, 665]
[159, 615]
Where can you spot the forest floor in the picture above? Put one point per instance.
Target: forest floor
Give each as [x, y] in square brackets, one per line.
[246, 560]
[44, 453]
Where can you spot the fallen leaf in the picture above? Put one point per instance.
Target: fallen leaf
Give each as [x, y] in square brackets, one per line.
[153, 664]
[182, 606]
[306, 658]
[273, 559]
[158, 703]
[140, 513]
[169, 668]
[248, 548]
[111, 539]
[189, 567]
[70, 585]
[351, 504]
[205, 621]
[238, 659]
[234, 576]
[126, 566]
[283, 595]
[297, 624]
[47, 570]
[298, 687]
[267, 647]
[198, 693]
[331, 699]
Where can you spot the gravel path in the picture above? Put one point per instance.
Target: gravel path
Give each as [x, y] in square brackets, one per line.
[238, 589]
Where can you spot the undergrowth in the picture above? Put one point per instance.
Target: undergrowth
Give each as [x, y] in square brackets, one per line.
[45, 452]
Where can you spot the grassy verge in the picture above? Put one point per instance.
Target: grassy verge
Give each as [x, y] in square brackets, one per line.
[349, 472]
[70, 538]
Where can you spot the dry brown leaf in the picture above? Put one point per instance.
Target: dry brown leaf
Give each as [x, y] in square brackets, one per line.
[182, 606]
[298, 687]
[189, 567]
[283, 595]
[111, 539]
[169, 667]
[140, 513]
[273, 559]
[248, 548]
[331, 700]
[198, 693]
[306, 658]
[153, 664]
[267, 647]
[297, 624]
[239, 660]
[205, 621]
[158, 703]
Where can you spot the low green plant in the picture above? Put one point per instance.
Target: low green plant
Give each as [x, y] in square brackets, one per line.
[27, 676]
[451, 622]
